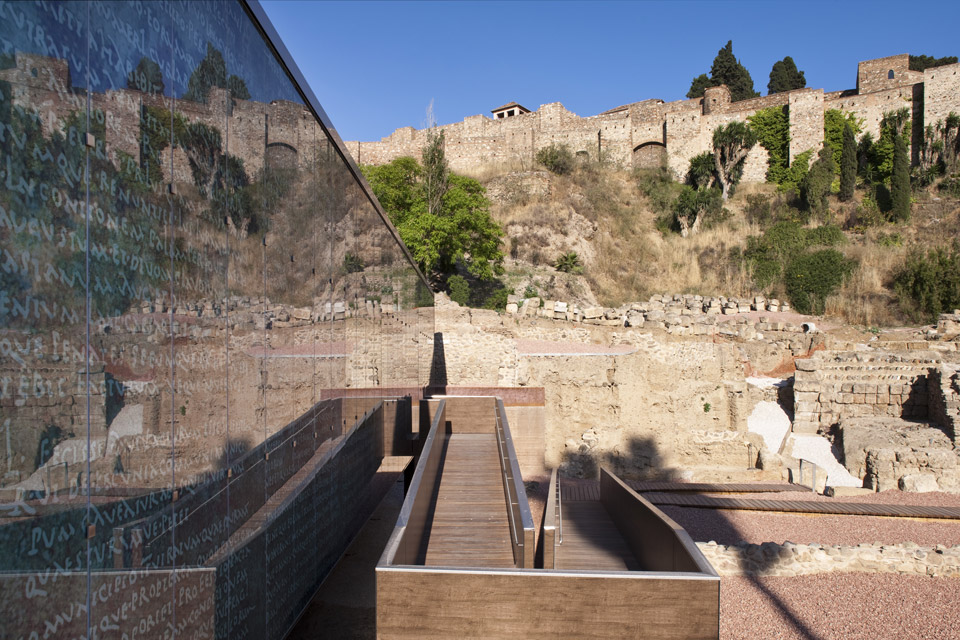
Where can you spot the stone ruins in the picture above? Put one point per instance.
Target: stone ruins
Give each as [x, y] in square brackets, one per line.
[653, 132]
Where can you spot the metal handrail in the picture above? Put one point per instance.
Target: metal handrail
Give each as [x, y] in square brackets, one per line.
[504, 465]
[559, 508]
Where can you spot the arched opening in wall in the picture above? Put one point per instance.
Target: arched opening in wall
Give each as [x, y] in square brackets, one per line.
[649, 155]
[281, 155]
[890, 74]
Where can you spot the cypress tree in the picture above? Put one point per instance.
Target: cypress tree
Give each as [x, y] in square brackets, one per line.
[784, 76]
[848, 164]
[727, 70]
[900, 182]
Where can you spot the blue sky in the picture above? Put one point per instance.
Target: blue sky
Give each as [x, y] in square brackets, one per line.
[376, 66]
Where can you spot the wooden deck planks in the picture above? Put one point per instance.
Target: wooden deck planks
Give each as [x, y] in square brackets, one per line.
[721, 487]
[805, 506]
[470, 526]
[591, 540]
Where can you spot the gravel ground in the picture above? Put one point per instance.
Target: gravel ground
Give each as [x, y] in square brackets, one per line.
[848, 606]
[729, 527]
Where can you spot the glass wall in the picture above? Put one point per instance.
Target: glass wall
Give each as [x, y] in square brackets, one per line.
[200, 302]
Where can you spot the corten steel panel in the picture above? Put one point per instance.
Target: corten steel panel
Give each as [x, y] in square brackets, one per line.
[407, 544]
[658, 543]
[534, 604]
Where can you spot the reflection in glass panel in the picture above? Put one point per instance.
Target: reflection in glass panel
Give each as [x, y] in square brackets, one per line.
[177, 206]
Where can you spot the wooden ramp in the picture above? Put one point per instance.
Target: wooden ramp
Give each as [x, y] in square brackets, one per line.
[470, 526]
[591, 540]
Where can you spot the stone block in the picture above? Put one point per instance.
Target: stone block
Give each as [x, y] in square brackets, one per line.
[919, 483]
[592, 313]
[806, 364]
[512, 308]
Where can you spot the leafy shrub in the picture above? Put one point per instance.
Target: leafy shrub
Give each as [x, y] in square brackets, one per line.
[459, 290]
[811, 277]
[816, 184]
[497, 299]
[929, 284]
[889, 240]
[352, 263]
[796, 172]
[950, 186]
[530, 292]
[659, 186]
[569, 263]
[557, 158]
[767, 254]
[758, 208]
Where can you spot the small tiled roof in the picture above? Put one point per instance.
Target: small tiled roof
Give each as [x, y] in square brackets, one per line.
[510, 105]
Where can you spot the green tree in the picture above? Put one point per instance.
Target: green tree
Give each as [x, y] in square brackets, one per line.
[772, 127]
[834, 122]
[811, 277]
[726, 69]
[848, 164]
[816, 185]
[693, 206]
[459, 290]
[459, 231]
[702, 170]
[880, 153]
[435, 171]
[731, 144]
[929, 284]
[699, 84]
[900, 182]
[147, 77]
[919, 63]
[784, 76]
[212, 72]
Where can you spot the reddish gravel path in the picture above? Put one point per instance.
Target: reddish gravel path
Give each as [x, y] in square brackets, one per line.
[847, 606]
[729, 527]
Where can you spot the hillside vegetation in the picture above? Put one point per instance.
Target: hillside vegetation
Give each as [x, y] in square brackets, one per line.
[764, 240]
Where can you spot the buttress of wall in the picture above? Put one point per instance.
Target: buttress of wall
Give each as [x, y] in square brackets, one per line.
[941, 88]
[806, 121]
[870, 107]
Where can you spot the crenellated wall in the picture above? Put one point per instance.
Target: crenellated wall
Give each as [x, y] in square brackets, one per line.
[652, 132]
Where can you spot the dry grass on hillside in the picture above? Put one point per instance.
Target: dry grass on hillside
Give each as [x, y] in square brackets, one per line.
[602, 216]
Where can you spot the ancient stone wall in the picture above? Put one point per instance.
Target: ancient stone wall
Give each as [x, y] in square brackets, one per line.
[941, 86]
[632, 135]
[790, 559]
[832, 386]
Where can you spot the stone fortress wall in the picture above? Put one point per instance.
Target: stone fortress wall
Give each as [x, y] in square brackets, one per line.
[641, 134]
[648, 133]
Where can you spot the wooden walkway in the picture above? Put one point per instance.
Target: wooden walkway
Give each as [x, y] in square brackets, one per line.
[591, 541]
[805, 506]
[688, 498]
[470, 527]
[721, 487]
